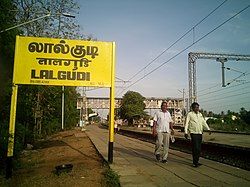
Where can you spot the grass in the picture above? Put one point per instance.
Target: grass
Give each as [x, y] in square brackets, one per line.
[230, 127]
[111, 178]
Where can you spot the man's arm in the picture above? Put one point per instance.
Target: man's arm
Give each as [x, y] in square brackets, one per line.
[186, 125]
[206, 125]
[171, 124]
[154, 128]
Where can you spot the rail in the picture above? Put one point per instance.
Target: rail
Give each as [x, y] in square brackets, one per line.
[227, 154]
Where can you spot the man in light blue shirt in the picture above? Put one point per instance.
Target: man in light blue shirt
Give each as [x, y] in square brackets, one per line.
[162, 125]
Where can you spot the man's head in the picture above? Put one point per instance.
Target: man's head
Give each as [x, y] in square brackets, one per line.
[195, 107]
[164, 106]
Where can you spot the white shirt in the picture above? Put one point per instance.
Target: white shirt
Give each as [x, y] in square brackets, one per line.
[162, 119]
[151, 122]
[195, 123]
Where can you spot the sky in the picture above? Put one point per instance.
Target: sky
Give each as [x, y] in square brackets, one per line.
[143, 29]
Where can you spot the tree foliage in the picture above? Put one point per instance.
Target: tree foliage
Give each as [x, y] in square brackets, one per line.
[44, 104]
[232, 121]
[132, 106]
[7, 43]
[59, 24]
[245, 115]
[35, 103]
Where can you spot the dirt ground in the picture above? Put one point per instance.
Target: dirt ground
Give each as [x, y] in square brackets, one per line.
[37, 166]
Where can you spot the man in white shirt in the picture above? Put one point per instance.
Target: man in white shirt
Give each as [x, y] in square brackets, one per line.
[162, 125]
[151, 124]
[195, 123]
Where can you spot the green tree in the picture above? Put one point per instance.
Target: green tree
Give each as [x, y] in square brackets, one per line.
[45, 102]
[35, 103]
[245, 115]
[132, 106]
[57, 25]
[7, 43]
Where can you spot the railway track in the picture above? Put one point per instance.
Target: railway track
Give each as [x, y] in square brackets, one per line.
[231, 155]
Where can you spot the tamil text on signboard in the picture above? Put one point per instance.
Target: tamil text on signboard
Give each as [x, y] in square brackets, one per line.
[50, 61]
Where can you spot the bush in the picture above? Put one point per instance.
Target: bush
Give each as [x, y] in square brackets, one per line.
[111, 178]
[51, 126]
[228, 125]
[3, 144]
[19, 144]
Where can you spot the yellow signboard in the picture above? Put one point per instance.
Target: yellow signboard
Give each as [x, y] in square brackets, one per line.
[50, 61]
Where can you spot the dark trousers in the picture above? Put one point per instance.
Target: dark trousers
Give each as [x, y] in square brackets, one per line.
[196, 147]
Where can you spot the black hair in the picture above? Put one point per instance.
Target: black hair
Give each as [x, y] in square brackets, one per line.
[194, 104]
[163, 103]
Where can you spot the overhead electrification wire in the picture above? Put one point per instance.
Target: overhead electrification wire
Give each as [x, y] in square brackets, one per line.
[190, 30]
[243, 74]
[224, 97]
[201, 38]
[232, 91]
[225, 88]
[96, 88]
[120, 79]
[232, 69]
[217, 85]
[222, 106]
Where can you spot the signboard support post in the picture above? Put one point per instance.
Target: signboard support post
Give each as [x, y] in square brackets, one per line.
[62, 107]
[112, 108]
[11, 132]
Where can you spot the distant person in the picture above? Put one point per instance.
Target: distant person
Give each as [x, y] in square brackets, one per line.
[116, 125]
[161, 129]
[195, 123]
[151, 124]
[119, 124]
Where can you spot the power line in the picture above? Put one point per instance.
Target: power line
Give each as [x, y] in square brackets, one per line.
[191, 29]
[225, 88]
[235, 70]
[243, 74]
[233, 91]
[225, 97]
[210, 87]
[96, 88]
[120, 79]
[221, 106]
[201, 38]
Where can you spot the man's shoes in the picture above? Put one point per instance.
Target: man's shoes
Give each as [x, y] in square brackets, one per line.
[197, 165]
[158, 157]
[164, 161]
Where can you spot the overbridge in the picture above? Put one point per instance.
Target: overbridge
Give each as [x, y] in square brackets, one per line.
[176, 105]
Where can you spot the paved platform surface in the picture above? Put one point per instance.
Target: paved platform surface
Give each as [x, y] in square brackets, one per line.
[135, 163]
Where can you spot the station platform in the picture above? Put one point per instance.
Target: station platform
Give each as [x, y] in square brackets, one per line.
[135, 162]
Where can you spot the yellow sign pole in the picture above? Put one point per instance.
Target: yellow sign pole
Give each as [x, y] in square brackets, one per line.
[11, 131]
[112, 107]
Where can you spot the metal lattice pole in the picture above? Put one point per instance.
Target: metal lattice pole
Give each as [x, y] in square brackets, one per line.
[192, 57]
